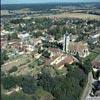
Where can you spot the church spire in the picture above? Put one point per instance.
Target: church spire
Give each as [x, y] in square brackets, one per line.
[66, 42]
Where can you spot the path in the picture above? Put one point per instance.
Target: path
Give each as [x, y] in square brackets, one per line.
[88, 87]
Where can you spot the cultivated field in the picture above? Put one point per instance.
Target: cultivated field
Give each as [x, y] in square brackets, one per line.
[74, 15]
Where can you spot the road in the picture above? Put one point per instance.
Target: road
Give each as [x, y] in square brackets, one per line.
[88, 87]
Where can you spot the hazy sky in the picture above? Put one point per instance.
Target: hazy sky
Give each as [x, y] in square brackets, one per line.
[43, 1]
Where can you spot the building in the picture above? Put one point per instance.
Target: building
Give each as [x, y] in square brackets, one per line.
[23, 36]
[3, 39]
[73, 38]
[66, 42]
[48, 38]
[36, 41]
[75, 47]
[54, 52]
[78, 47]
[96, 63]
[94, 38]
[58, 58]
[61, 60]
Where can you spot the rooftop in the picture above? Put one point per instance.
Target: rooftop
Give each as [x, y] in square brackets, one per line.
[96, 62]
[78, 46]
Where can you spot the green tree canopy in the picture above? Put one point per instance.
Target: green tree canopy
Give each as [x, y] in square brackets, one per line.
[8, 82]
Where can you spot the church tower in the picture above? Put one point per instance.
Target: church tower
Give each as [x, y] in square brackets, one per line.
[66, 42]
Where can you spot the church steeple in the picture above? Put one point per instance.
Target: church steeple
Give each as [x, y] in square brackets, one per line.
[66, 42]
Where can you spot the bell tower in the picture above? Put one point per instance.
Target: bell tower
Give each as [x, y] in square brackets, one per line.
[66, 42]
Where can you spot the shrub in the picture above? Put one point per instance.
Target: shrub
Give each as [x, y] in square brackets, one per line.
[31, 65]
[28, 84]
[14, 69]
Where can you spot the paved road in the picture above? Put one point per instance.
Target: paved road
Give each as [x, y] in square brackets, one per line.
[88, 87]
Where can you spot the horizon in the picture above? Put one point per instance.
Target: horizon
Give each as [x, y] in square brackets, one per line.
[48, 3]
[5, 2]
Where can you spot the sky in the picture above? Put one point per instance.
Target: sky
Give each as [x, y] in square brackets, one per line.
[42, 1]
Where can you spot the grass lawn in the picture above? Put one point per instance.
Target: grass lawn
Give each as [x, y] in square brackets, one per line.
[17, 96]
[18, 62]
[93, 54]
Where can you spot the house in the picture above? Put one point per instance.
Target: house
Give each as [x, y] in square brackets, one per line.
[23, 36]
[33, 22]
[30, 48]
[3, 44]
[73, 37]
[58, 58]
[36, 41]
[96, 85]
[48, 38]
[36, 30]
[3, 39]
[60, 61]
[96, 66]
[94, 37]
[55, 51]
[27, 43]
[23, 25]
[96, 63]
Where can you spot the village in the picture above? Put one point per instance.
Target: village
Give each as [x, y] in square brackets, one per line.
[51, 45]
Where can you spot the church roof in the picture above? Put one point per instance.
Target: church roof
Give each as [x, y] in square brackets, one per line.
[77, 46]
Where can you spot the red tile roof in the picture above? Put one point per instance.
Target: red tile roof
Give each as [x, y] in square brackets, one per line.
[67, 60]
[55, 50]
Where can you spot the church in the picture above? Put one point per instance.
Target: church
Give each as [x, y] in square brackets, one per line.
[74, 48]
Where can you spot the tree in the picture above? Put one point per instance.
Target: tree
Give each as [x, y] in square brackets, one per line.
[69, 67]
[8, 37]
[36, 34]
[28, 84]
[17, 21]
[81, 37]
[57, 32]
[64, 87]
[31, 65]
[2, 73]
[87, 67]
[40, 50]
[3, 55]
[98, 74]
[14, 36]
[46, 54]
[77, 56]
[39, 62]
[83, 82]
[49, 70]
[8, 82]
[45, 80]
[14, 69]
